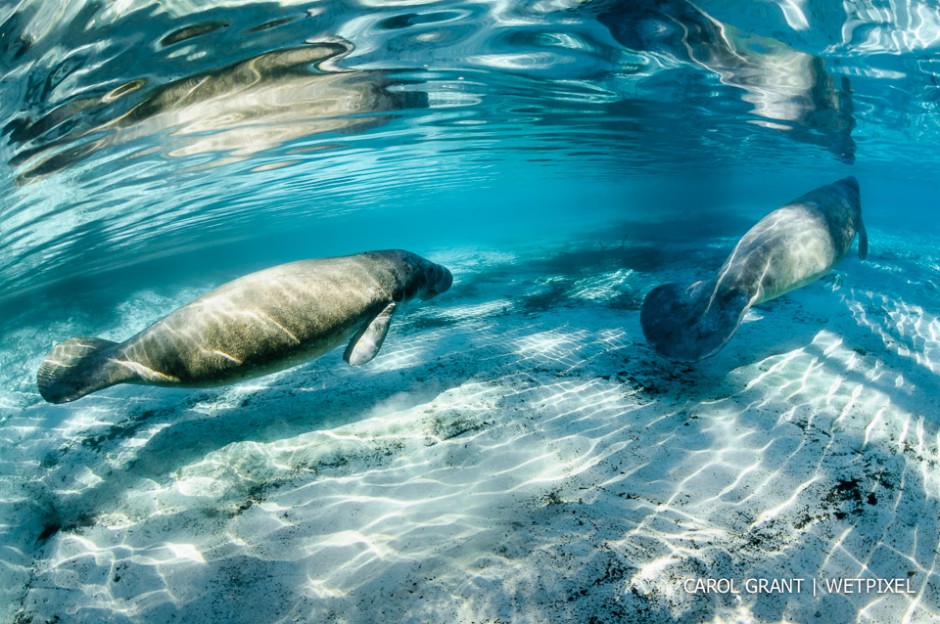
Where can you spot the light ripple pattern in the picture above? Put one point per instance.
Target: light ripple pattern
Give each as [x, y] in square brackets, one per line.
[533, 464]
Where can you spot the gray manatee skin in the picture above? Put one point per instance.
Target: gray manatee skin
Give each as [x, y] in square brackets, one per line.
[789, 248]
[257, 324]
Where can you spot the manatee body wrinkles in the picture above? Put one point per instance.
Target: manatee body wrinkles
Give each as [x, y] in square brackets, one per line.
[257, 324]
[789, 248]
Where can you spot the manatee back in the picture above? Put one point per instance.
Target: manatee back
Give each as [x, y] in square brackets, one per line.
[796, 244]
[787, 249]
[266, 321]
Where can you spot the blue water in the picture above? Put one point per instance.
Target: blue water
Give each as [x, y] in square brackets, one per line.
[563, 158]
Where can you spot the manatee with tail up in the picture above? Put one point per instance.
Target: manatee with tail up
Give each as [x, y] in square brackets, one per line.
[255, 325]
[789, 248]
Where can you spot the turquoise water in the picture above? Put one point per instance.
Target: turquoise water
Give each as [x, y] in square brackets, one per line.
[517, 452]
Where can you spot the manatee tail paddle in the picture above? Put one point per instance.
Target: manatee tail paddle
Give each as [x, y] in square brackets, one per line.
[77, 367]
[690, 323]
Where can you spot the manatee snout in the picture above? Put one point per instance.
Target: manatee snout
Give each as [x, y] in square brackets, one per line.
[439, 280]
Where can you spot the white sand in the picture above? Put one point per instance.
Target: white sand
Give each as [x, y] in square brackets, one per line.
[515, 454]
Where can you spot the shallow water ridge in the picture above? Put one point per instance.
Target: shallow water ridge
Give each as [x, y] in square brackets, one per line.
[517, 451]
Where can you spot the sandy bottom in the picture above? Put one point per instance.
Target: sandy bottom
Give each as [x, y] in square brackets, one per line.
[516, 453]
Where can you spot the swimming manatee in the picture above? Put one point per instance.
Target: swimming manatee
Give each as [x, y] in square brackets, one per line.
[789, 248]
[257, 324]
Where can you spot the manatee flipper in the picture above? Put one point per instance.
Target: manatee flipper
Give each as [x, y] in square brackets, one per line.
[77, 367]
[862, 239]
[365, 345]
[691, 322]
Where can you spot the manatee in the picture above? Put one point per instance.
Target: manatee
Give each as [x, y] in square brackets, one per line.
[255, 325]
[789, 248]
[789, 90]
[231, 112]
